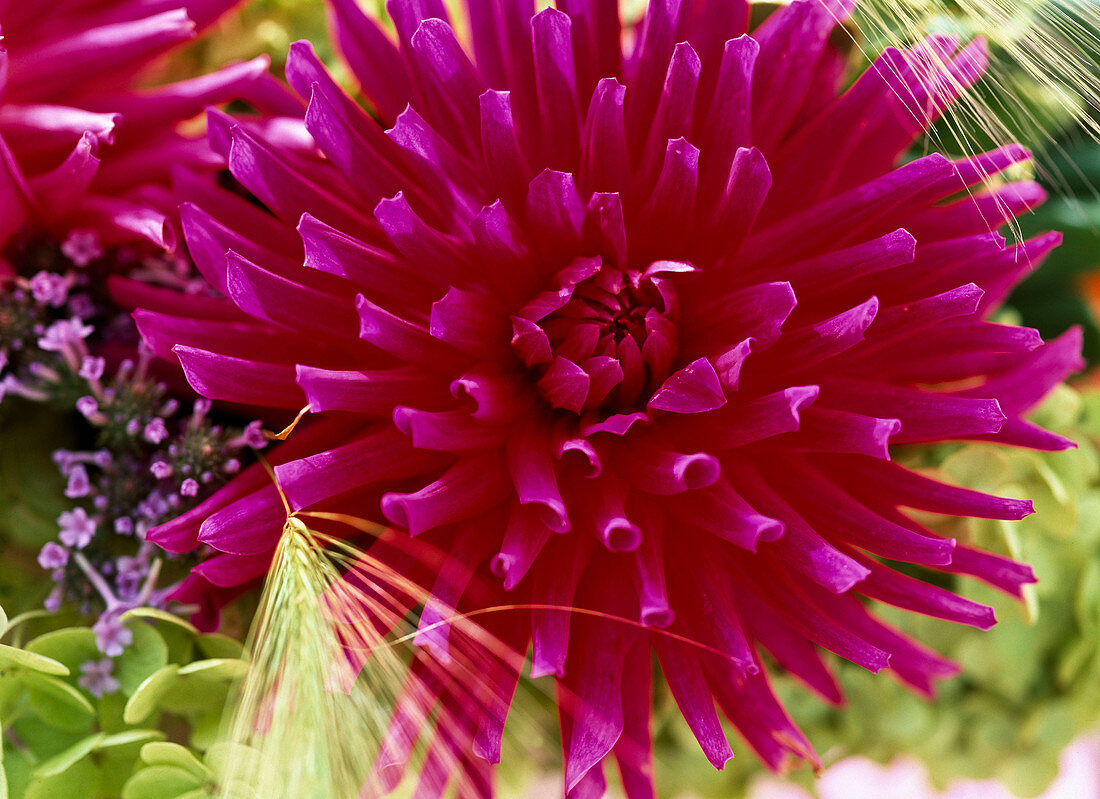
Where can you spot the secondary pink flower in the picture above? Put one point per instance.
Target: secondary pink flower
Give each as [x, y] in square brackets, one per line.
[90, 160]
[69, 87]
[630, 331]
[859, 778]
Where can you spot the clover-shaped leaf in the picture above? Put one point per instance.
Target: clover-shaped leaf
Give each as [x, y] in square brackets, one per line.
[119, 740]
[70, 646]
[216, 668]
[82, 779]
[62, 761]
[145, 654]
[57, 702]
[21, 658]
[161, 782]
[172, 754]
[144, 700]
[216, 645]
[156, 614]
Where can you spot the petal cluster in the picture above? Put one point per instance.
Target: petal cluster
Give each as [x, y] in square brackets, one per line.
[626, 327]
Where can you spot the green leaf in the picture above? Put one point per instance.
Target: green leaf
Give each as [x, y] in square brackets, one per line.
[180, 642]
[31, 486]
[117, 765]
[44, 740]
[208, 729]
[11, 693]
[119, 755]
[171, 754]
[82, 779]
[190, 696]
[70, 647]
[216, 645]
[201, 688]
[18, 767]
[147, 696]
[63, 761]
[109, 709]
[141, 658]
[3, 771]
[130, 738]
[1074, 659]
[222, 754]
[216, 668]
[1087, 600]
[23, 659]
[226, 756]
[156, 614]
[1031, 775]
[160, 782]
[15, 621]
[57, 702]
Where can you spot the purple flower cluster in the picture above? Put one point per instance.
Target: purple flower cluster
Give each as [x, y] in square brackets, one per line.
[151, 464]
[149, 468]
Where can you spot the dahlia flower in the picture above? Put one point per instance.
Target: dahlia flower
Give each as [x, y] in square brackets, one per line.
[626, 321]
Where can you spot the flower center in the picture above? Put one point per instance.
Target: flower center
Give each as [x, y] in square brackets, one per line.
[604, 339]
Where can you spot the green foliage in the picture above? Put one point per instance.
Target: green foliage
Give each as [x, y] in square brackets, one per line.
[265, 27]
[31, 488]
[1051, 298]
[1068, 166]
[61, 741]
[170, 771]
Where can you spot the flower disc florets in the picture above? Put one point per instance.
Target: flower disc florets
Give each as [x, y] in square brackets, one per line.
[604, 339]
[631, 331]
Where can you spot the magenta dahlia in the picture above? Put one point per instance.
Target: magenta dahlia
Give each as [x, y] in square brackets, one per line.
[624, 320]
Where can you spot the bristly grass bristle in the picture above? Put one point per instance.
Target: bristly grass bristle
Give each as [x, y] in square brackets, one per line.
[338, 701]
[1042, 80]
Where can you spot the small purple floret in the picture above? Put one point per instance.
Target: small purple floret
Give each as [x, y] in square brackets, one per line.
[77, 529]
[96, 677]
[53, 556]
